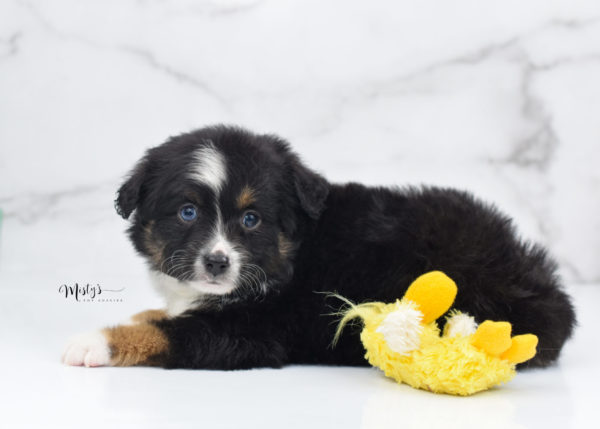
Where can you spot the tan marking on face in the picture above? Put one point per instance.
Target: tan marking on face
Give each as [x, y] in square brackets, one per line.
[154, 247]
[149, 316]
[285, 246]
[136, 344]
[246, 197]
[193, 197]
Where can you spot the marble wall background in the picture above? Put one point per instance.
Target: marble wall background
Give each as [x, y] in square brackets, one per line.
[501, 98]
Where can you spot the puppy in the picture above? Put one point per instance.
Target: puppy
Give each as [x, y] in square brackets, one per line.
[245, 243]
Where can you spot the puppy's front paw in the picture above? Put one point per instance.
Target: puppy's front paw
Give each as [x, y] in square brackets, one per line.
[90, 349]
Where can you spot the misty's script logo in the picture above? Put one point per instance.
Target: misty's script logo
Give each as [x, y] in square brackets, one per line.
[89, 293]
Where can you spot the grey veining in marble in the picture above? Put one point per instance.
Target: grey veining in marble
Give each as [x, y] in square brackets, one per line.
[499, 99]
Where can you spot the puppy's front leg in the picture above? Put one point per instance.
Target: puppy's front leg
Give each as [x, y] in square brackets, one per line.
[235, 340]
[139, 342]
[227, 339]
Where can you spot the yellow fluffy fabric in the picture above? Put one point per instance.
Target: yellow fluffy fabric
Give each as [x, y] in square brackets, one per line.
[460, 364]
[440, 364]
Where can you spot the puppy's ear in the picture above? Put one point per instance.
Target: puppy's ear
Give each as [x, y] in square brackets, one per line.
[128, 195]
[311, 188]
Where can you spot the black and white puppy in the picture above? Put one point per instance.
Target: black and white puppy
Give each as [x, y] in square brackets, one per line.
[245, 243]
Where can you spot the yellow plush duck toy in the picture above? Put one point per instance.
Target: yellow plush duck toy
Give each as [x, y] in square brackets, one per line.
[403, 340]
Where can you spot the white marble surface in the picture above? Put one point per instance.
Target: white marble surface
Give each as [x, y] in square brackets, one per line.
[501, 98]
[37, 392]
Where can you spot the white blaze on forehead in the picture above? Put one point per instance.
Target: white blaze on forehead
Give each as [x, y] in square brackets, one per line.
[209, 167]
[220, 246]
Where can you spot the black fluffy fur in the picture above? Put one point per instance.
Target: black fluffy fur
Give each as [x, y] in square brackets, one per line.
[365, 243]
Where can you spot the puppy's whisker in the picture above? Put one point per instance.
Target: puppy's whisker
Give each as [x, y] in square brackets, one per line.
[248, 280]
[187, 275]
[258, 272]
[171, 259]
[254, 278]
[176, 266]
[174, 269]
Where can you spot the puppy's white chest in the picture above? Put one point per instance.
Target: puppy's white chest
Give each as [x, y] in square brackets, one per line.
[179, 298]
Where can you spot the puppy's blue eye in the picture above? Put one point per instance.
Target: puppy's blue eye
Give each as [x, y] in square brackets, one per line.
[188, 213]
[250, 220]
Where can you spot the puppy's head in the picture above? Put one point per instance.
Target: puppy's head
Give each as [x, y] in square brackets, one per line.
[221, 211]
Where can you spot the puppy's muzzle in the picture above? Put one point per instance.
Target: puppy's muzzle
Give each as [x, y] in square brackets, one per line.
[216, 263]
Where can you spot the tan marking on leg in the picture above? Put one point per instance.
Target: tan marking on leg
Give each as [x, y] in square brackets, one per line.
[285, 246]
[154, 247]
[136, 344]
[246, 197]
[149, 316]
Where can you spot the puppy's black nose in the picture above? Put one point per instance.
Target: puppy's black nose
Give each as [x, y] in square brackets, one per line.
[216, 263]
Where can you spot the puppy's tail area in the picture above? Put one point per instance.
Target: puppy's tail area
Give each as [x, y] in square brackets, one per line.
[367, 312]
